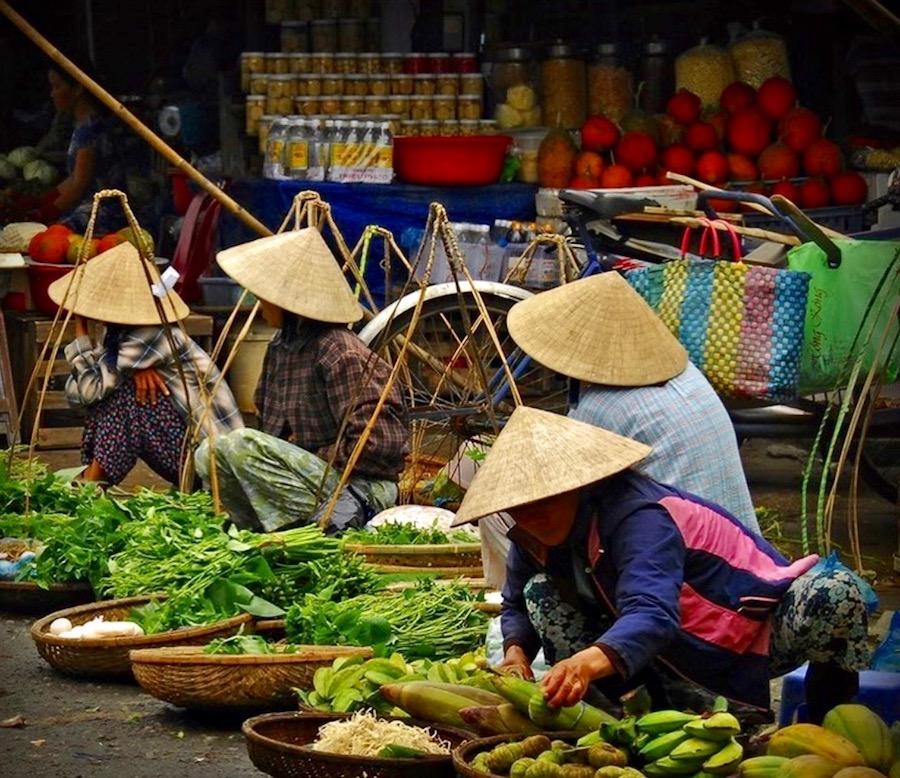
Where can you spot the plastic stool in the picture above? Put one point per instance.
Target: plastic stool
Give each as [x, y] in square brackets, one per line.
[878, 690]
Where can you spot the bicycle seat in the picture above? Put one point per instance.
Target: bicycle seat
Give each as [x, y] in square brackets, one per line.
[606, 205]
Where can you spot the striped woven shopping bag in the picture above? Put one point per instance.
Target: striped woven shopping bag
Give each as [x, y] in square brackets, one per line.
[742, 325]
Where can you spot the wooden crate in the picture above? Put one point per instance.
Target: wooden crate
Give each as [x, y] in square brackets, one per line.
[60, 426]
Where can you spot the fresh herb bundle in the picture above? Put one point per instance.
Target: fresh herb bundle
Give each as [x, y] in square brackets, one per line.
[398, 534]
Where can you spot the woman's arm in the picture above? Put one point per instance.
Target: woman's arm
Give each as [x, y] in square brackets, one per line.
[91, 377]
[73, 189]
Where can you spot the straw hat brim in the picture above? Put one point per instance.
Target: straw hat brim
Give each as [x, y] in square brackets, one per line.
[295, 271]
[541, 454]
[115, 287]
[600, 330]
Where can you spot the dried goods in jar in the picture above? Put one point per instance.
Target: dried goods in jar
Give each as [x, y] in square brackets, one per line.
[610, 90]
[758, 56]
[468, 106]
[704, 70]
[564, 88]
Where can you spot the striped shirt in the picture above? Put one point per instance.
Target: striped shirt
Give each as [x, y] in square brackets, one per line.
[92, 379]
[694, 445]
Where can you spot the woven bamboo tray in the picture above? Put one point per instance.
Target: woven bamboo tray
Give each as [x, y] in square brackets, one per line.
[186, 677]
[108, 657]
[276, 743]
[29, 598]
[464, 753]
[440, 555]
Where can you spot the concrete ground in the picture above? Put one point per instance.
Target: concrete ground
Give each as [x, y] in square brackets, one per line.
[79, 729]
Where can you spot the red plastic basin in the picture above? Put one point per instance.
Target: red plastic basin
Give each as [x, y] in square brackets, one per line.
[450, 161]
[40, 276]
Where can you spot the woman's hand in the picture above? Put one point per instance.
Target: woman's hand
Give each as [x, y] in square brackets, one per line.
[147, 383]
[516, 662]
[568, 680]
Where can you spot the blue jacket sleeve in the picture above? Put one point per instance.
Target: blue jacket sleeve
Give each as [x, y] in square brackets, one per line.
[648, 555]
[514, 622]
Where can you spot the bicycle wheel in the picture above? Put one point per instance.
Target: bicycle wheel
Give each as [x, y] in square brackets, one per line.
[454, 383]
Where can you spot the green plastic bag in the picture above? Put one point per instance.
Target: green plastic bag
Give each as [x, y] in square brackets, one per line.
[864, 287]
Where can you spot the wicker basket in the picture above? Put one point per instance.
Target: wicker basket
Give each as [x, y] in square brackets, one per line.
[108, 657]
[443, 555]
[29, 598]
[466, 752]
[277, 745]
[186, 677]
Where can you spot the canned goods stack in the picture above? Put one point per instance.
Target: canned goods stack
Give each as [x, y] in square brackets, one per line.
[330, 66]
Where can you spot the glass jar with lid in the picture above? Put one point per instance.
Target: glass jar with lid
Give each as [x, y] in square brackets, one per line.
[421, 107]
[610, 83]
[657, 74]
[564, 87]
[309, 105]
[251, 62]
[409, 128]
[265, 122]
[469, 107]
[401, 84]
[464, 62]
[379, 84]
[368, 62]
[447, 84]
[309, 84]
[392, 62]
[333, 83]
[375, 104]
[277, 63]
[255, 108]
[356, 84]
[300, 62]
[294, 37]
[282, 89]
[471, 84]
[399, 104]
[415, 62]
[259, 83]
[439, 62]
[511, 67]
[323, 35]
[321, 62]
[468, 127]
[345, 62]
[444, 107]
[424, 84]
[429, 128]
[352, 105]
[449, 128]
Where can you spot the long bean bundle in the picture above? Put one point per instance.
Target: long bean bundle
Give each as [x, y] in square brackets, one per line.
[430, 621]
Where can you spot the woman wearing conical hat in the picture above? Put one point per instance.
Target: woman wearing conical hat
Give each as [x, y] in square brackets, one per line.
[624, 581]
[124, 424]
[317, 392]
[634, 379]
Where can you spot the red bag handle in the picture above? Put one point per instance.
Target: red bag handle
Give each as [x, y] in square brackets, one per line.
[709, 236]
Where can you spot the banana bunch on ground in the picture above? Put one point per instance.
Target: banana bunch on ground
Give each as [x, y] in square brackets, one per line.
[673, 742]
[352, 683]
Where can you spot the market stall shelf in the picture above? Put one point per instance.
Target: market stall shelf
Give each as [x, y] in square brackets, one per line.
[189, 678]
[108, 657]
[276, 745]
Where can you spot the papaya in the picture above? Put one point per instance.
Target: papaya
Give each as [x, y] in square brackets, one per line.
[556, 159]
[859, 772]
[810, 766]
[866, 730]
[800, 739]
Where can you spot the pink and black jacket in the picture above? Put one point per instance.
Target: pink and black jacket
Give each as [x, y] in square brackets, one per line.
[684, 582]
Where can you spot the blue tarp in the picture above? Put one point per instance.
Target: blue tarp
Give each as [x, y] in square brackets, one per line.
[395, 207]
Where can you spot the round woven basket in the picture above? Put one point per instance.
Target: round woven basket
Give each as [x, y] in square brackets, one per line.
[108, 657]
[464, 753]
[277, 745]
[29, 598]
[186, 677]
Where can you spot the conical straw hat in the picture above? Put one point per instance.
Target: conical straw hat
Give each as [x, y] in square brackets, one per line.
[541, 454]
[599, 330]
[295, 271]
[113, 288]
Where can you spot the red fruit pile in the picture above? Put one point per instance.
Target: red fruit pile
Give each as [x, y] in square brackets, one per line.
[759, 138]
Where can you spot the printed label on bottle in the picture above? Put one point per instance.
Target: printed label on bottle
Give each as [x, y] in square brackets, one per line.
[276, 149]
[338, 150]
[298, 155]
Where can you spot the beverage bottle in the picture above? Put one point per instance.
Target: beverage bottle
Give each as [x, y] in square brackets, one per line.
[316, 169]
[338, 151]
[273, 165]
[385, 160]
[328, 134]
[297, 149]
[351, 151]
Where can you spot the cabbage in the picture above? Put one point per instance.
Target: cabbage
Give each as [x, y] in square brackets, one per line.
[39, 170]
[22, 156]
[7, 168]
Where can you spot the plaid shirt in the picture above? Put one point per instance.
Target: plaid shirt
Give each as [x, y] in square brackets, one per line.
[694, 445]
[92, 379]
[305, 394]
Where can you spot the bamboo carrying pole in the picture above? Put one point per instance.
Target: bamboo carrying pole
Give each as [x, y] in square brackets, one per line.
[132, 121]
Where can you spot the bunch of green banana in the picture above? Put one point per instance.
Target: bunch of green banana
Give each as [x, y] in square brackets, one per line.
[673, 742]
[352, 683]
